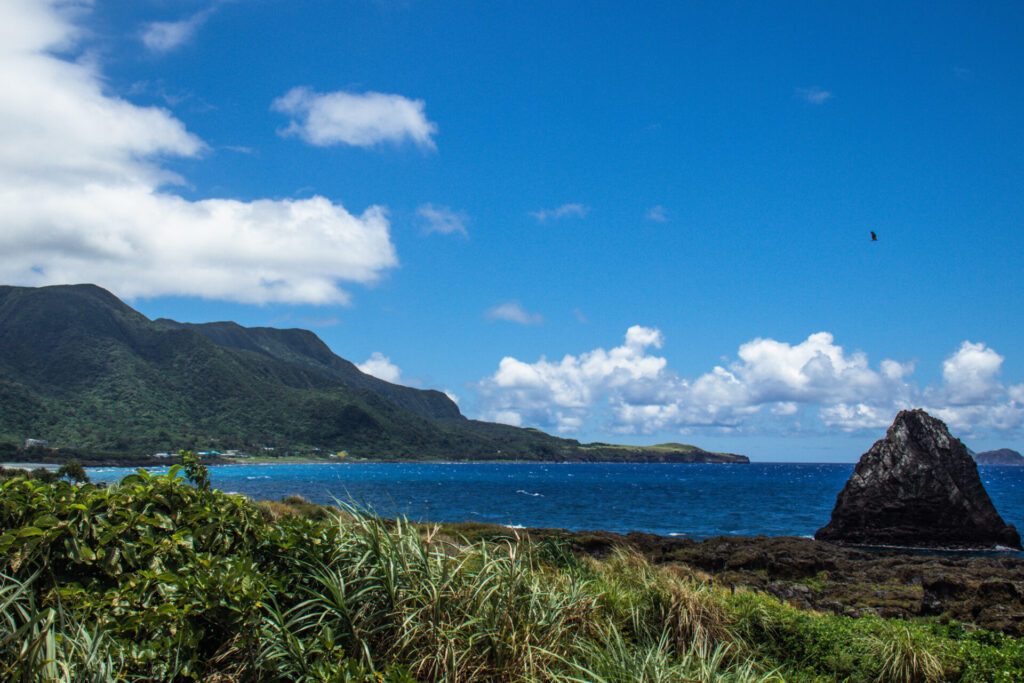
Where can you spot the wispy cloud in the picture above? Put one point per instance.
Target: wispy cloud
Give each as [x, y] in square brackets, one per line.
[85, 196]
[164, 36]
[443, 220]
[513, 312]
[658, 214]
[563, 211]
[962, 73]
[305, 322]
[814, 95]
[361, 120]
[158, 88]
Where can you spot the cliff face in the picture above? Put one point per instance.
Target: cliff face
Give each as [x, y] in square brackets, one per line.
[917, 487]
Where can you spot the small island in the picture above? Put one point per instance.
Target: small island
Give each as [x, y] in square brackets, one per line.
[1002, 456]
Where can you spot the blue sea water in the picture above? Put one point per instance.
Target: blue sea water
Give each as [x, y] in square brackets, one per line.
[698, 501]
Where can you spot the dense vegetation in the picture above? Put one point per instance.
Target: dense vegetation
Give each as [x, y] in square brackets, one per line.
[81, 369]
[159, 578]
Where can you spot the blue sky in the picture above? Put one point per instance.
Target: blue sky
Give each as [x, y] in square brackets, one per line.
[631, 226]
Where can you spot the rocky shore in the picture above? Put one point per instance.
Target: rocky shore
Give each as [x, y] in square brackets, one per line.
[986, 590]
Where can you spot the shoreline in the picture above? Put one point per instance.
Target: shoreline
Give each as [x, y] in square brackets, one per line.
[980, 588]
[165, 462]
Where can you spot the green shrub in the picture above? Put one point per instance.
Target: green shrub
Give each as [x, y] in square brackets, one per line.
[158, 579]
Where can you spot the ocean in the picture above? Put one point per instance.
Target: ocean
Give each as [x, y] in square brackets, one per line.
[696, 501]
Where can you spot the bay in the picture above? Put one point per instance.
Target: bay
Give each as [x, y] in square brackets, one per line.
[698, 501]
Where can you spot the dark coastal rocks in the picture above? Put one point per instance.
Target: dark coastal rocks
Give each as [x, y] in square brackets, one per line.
[917, 487]
[982, 589]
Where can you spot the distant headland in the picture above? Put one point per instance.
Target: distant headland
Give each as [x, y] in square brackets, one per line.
[84, 375]
[1002, 456]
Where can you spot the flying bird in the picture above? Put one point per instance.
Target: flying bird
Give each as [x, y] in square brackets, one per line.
[874, 237]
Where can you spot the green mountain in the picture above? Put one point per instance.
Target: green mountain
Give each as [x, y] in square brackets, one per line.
[81, 369]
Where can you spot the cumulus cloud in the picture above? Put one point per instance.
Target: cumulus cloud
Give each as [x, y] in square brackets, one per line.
[814, 95]
[361, 120]
[563, 211]
[971, 397]
[443, 220]
[513, 312]
[381, 367]
[563, 393]
[970, 373]
[770, 387]
[164, 36]
[84, 197]
[658, 214]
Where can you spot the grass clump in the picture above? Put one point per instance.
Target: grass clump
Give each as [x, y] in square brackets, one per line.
[507, 611]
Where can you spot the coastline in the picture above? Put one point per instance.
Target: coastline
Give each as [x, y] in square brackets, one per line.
[982, 587]
[144, 461]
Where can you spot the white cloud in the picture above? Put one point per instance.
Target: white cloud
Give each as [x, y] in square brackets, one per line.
[971, 397]
[164, 36]
[361, 120]
[851, 418]
[970, 373]
[508, 417]
[443, 220]
[785, 408]
[814, 95]
[563, 211]
[381, 367]
[768, 388]
[658, 214]
[563, 393]
[83, 195]
[513, 312]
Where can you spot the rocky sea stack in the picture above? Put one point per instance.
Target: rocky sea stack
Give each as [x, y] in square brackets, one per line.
[917, 487]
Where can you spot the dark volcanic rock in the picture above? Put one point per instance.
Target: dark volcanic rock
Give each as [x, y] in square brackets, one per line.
[1003, 456]
[917, 487]
[982, 589]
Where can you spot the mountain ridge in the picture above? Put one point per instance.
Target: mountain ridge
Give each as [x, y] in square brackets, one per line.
[81, 368]
[1000, 456]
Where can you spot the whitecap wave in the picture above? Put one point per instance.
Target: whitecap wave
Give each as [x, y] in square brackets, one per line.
[527, 493]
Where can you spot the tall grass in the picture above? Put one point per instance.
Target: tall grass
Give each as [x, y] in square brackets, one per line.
[906, 659]
[508, 611]
[155, 580]
[46, 644]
